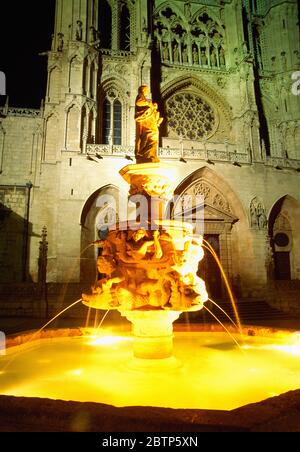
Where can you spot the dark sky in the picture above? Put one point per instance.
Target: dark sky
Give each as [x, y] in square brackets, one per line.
[25, 31]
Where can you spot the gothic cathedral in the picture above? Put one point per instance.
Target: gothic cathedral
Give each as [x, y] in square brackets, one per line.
[224, 75]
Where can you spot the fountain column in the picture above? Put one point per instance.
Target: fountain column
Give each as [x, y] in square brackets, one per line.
[152, 333]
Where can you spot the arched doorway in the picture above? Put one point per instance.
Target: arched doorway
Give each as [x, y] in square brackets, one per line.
[98, 213]
[284, 220]
[220, 216]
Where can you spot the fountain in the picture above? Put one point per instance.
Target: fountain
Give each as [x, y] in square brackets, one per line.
[148, 272]
[149, 265]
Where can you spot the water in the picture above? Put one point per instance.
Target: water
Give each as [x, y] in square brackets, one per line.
[214, 373]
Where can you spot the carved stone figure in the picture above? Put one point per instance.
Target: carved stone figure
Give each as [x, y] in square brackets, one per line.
[176, 54]
[79, 30]
[195, 55]
[93, 35]
[222, 57]
[157, 270]
[147, 120]
[165, 51]
[60, 42]
[203, 58]
[257, 214]
[184, 55]
[213, 59]
[261, 217]
[253, 216]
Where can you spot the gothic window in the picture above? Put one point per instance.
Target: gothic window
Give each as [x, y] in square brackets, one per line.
[106, 121]
[92, 80]
[112, 120]
[197, 40]
[125, 28]
[117, 129]
[105, 24]
[189, 116]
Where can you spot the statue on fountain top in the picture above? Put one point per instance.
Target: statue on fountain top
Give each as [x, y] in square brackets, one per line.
[147, 120]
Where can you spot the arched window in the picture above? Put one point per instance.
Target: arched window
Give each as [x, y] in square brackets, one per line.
[117, 132]
[105, 24]
[106, 121]
[112, 121]
[125, 29]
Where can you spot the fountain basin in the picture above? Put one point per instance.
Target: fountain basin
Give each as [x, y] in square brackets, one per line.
[215, 374]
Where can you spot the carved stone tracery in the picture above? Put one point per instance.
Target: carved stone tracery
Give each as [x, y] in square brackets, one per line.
[189, 116]
[188, 39]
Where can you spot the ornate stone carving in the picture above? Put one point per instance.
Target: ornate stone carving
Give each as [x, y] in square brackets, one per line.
[258, 218]
[189, 116]
[202, 189]
[60, 42]
[187, 39]
[221, 203]
[146, 269]
[150, 179]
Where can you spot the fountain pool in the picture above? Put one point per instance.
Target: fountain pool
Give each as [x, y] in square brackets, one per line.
[212, 372]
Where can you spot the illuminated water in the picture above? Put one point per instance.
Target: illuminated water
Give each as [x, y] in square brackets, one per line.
[215, 374]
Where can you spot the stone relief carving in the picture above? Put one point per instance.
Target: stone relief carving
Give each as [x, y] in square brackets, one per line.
[78, 30]
[202, 189]
[211, 195]
[220, 202]
[258, 218]
[60, 42]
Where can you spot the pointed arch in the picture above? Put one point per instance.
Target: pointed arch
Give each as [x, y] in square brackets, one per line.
[105, 24]
[112, 118]
[125, 33]
[51, 138]
[73, 127]
[101, 208]
[232, 203]
[54, 84]
[284, 220]
[203, 88]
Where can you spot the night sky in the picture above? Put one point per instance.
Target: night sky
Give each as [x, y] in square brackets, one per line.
[26, 29]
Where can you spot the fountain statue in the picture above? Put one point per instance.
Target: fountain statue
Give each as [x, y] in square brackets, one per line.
[149, 269]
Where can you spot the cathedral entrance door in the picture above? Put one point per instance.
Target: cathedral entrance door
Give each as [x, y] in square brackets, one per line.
[209, 270]
[282, 265]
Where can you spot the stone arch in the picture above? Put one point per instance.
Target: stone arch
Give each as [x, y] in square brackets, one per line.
[73, 127]
[203, 88]
[174, 8]
[51, 137]
[54, 84]
[75, 81]
[225, 221]
[221, 109]
[205, 10]
[92, 221]
[284, 218]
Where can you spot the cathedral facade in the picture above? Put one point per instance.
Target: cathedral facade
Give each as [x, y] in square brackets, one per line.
[223, 75]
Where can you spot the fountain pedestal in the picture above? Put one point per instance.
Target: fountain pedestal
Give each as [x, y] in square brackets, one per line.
[152, 333]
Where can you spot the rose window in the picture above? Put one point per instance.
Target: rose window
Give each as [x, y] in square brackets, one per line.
[189, 116]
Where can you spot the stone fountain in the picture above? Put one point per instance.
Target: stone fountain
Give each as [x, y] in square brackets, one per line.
[149, 265]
